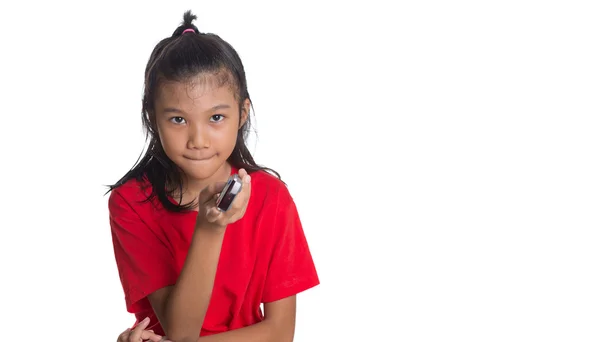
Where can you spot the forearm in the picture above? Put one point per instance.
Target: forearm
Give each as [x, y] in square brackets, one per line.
[188, 301]
[265, 331]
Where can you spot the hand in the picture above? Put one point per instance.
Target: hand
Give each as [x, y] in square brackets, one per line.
[139, 334]
[210, 216]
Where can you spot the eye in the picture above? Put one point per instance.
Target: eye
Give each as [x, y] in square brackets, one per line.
[178, 120]
[217, 118]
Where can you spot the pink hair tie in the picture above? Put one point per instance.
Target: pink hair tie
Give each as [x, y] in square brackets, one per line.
[188, 30]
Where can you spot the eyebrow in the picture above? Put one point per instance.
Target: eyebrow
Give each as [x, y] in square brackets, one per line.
[179, 111]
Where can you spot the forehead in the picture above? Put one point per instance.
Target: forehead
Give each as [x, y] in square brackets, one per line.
[199, 93]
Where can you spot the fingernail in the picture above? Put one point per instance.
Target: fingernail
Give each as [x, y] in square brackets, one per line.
[146, 320]
[247, 179]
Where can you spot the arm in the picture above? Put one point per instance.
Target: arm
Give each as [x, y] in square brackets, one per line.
[290, 271]
[278, 326]
[181, 308]
[139, 333]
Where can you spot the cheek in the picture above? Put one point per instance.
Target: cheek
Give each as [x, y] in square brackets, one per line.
[171, 140]
[230, 135]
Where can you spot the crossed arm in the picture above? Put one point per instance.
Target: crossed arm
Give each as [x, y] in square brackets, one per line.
[278, 326]
[181, 308]
[181, 314]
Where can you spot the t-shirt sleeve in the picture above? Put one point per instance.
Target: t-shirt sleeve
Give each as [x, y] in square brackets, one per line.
[291, 268]
[144, 262]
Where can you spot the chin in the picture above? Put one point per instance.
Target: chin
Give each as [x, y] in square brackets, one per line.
[199, 173]
[200, 170]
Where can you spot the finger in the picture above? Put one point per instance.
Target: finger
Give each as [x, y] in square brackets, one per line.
[147, 335]
[136, 333]
[240, 202]
[244, 176]
[123, 337]
[246, 190]
[213, 215]
[247, 181]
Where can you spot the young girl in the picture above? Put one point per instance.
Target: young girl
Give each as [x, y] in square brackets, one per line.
[193, 271]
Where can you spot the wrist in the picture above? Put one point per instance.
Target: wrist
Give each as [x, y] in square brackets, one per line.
[210, 228]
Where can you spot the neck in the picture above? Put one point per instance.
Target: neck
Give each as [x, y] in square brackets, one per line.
[192, 187]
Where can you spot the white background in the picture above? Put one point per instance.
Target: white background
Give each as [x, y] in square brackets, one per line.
[443, 155]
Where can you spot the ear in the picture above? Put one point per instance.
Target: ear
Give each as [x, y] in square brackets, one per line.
[245, 112]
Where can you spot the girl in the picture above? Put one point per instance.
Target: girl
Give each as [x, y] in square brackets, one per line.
[196, 272]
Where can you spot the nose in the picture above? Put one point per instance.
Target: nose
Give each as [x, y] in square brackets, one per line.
[198, 137]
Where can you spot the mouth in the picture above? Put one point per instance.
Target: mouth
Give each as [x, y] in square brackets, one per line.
[198, 159]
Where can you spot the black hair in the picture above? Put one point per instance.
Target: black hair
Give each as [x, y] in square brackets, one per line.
[180, 58]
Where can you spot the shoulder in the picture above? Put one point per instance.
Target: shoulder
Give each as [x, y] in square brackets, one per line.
[130, 196]
[264, 179]
[272, 200]
[269, 188]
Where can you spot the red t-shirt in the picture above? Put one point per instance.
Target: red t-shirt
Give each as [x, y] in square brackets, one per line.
[264, 256]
